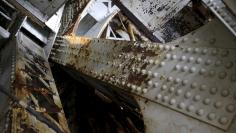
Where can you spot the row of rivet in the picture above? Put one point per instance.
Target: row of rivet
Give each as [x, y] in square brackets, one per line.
[221, 10]
[214, 52]
[200, 112]
[13, 64]
[203, 71]
[211, 116]
[230, 108]
[154, 46]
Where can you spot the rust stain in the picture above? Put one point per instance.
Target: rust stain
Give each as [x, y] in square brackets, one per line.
[32, 85]
[137, 79]
[74, 40]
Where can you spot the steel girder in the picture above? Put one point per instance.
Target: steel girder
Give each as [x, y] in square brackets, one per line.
[30, 99]
[194, 75]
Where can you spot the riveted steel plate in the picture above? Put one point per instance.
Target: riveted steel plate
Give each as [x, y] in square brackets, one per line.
[28, 79]
[151, 15]
[224, 13]
[196, 80]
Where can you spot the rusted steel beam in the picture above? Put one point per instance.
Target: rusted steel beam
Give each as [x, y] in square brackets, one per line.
[182, 75]
[71, 15]
[151, 15]
[31, 86]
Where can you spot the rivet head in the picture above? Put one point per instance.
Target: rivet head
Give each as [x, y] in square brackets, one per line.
[168, 56]
[225, 53]
[178, 92]
[190, 108]
[123, 83]
[211, 116]
[187, 95]
[164, 87]
[161, 47]
[159, 96]
[177, 67]
[230, 108]
[172, 102]
[233, 78]
[199, 60]
[142, 45]
[218, 104]
[138, 70]
[129, 85]
[151, 61]
[213, 91]
[183, 58]
[173, 57]
[167, 47]
[195, 40]
[170, 79]
[225, 93]
[139, 59]
[165, 98]
[185, 82]
[202, 71]
[212, 73]
[181, 105]
[150, 83]
[207, 101]
[184, 39]
[139, 89]
[193, 85]
[218, 63]
[229, 65]
[156, 84]
[222, 75]
[172, 48]
[208, 62]
[192, 69]
[145, 90]
[149, 73]
[197, 98]
[214, 52]
[203, 87]
[162, 64]
[189, 50]
[155, 75]
[133, 87]
[172, 89]
[177, 80]
[185, 69]
[196, 50]
[156, 62]
[190, 59]
[204, 51]
[200, 112]
[144, 72]
[223, 120]
[145, 61]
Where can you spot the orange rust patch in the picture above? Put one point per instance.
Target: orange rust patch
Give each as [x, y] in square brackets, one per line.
[74, 40]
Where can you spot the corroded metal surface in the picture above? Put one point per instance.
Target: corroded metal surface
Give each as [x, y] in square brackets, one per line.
[38, 11]
[31, 82]
[73, 9]
[7, 57]
[191, 75]
[151, 15]
[92, 24]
